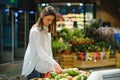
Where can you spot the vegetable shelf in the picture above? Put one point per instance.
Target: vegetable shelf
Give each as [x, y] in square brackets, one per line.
[93, 64]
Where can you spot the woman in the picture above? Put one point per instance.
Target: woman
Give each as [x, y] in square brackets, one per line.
[38, 57]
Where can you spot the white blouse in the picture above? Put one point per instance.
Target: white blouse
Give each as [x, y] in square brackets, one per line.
[39, 52]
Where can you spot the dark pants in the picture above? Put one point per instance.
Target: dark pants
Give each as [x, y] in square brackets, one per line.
[35, 74]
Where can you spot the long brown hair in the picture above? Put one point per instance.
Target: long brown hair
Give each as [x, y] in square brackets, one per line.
[48, 10]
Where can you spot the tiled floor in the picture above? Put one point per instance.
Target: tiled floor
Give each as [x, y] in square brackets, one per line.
[12, 70]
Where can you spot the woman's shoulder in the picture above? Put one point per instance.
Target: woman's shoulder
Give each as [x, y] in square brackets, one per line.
[34, 31]
[35, 28]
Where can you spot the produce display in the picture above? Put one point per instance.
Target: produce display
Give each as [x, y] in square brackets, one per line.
[69, 74]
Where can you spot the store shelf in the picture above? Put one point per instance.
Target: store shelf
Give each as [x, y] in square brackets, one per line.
[68, 61]
[93, 64]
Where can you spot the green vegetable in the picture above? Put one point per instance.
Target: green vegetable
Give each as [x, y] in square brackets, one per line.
[63, 79]
[77, 77]
[83, 76]
[53, 74]
[66, 74]
[72, 71]
[47, 78]
[59, 76]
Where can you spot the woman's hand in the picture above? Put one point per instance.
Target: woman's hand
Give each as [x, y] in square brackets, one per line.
[57, 68]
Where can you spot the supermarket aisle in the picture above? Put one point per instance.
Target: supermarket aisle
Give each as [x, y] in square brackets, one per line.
[11, 71]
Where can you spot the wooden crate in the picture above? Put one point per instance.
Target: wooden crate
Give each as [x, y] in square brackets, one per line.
[118, 60]
[93, 64]
[66, 61]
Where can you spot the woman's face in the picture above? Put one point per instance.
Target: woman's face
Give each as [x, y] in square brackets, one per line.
[47, 20]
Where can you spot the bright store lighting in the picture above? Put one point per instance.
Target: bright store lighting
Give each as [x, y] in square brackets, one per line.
[6, 10]
[16, 14]
[43, 4]
[16, 20]
[81, 4]
[31, 12]
[68, 4]
[20, 11]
